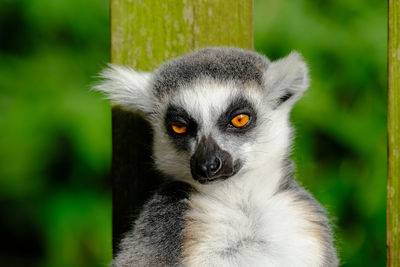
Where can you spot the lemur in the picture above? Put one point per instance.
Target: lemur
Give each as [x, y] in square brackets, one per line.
[220, 119]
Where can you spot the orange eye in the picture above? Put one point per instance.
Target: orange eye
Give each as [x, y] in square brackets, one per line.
[240, 120]
[179, 129]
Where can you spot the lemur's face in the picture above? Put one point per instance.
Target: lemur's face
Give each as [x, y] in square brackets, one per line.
[216, 113]
[210, 129]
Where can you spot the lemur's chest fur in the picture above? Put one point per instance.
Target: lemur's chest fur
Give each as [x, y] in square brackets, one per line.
[243, 226]
[236, 225]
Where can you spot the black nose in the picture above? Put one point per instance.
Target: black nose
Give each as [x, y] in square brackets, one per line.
[209, 167]
[209, 162]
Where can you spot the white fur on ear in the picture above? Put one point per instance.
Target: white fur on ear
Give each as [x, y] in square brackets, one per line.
[127, 88]
[286, 80]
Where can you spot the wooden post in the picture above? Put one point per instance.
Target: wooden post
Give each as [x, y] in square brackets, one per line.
[145, 33]
[393, 183]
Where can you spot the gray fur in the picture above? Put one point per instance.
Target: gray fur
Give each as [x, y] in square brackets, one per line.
[156, 237]
[221, 63]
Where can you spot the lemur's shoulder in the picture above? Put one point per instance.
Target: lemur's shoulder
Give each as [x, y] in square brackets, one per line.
[155, 239]
[315, 214]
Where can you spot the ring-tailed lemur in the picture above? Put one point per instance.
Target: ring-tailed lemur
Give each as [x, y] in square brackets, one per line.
[222, 134]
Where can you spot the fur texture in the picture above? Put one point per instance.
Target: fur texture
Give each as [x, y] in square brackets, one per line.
[253, 213]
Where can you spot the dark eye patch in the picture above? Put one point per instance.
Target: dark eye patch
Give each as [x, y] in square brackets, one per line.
[237, 107]
[178, 116]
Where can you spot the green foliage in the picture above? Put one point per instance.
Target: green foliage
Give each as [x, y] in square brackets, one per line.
[55, 197]
[55, 145]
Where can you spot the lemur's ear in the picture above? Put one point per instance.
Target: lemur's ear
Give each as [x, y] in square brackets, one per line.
[286, 80]
[127, 88]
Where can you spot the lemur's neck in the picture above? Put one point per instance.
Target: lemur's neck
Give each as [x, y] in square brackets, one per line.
[263, 180]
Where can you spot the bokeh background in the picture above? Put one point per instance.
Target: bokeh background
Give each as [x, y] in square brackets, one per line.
[55, 141]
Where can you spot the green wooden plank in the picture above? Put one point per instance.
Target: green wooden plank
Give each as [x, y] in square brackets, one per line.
[145, 33]
[393, 183]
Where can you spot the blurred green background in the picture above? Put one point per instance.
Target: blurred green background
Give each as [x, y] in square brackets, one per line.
[55, 141]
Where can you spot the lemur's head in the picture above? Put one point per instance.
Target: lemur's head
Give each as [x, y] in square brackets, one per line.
[216, 113]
